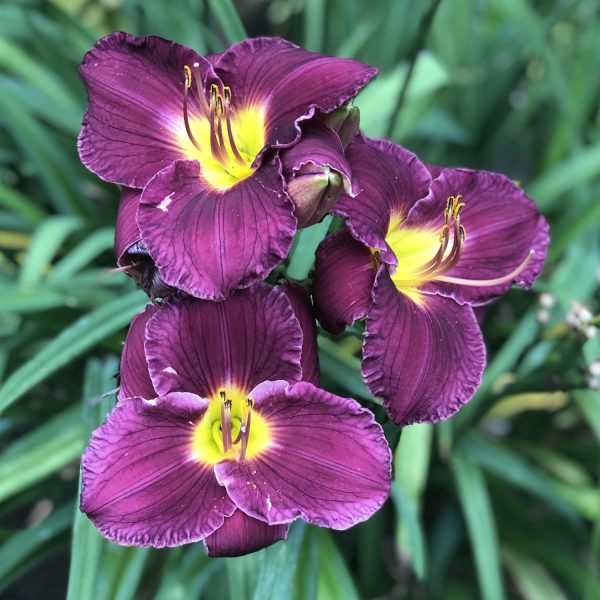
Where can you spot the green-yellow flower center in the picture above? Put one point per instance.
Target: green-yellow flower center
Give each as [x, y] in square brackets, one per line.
[425, 254]
[230, 429]
[223, 139]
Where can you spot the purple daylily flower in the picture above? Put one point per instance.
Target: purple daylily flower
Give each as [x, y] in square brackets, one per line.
[203, 139]
[218, 436]
[423, 246]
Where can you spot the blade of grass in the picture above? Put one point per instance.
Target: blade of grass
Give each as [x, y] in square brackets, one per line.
[508, 465]
[302, 257]
[86, 542]
[98, 242]
[72, 342]
[479, 515]
[25, 544]
[46, 240]
[227, 17]
[38, 454]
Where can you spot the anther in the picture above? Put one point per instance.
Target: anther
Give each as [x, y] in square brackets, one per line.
[188, 77]
[186, 121]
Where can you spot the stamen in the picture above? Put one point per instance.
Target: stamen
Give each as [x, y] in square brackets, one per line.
[227, 97]
[225, 420]
[220, 112]
[246, 430]
[186, 121]
[215, 148]
[488, 282]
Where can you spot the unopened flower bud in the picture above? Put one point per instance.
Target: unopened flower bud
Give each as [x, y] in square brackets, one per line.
[590, 332]
[592, 383]
[594, 369]
[345, 120]
[584, 314]
[572, 320]
[543, 315]
[314, 190]
[546, 300]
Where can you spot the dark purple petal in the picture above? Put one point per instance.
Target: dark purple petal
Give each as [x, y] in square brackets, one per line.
[141, 484]
[502, 225]
[303, 309]
[392, 179]
[208, 243]
[344, 275]
[199, 346]
[133, 370]
[328, 461]
[135, 115]
[425, 360]
[316, 172]
[126, 229]
[290, 82]
[241, 534]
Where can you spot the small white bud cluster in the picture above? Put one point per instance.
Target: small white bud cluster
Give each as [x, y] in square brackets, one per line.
[593, 378]
[546, 302]
[580, 319]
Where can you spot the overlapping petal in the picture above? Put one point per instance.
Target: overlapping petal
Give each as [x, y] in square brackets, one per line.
[424, 359]
[290, 82]
[241, 534]
[391, 180]
[208, 243]
[316, 171]
[135, 88]
[343, 279]
[127, 231]
[502, 226]
[141, 485]
[328, 461]
[200, 346]
[303, 309]
[134, 376]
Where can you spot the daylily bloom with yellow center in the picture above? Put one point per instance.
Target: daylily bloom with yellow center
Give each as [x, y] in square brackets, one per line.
[204, 141]
[221, 433]
[423, 246]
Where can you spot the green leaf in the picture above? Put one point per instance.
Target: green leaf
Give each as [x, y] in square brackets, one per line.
[504, 463]
[314, 25]
[25, 544]
[334, 580]
[72, 342]
[92, 246]
[302, 256]
[86, 542]
[41, 452]
[477, 509]
[549, 188]
[411, 465]
[228, 19]
[341, 367]
[410, 537]
[531, 578]
[18, 202]
[46, 240]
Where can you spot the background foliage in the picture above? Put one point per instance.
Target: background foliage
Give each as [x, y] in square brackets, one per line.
[502, 500]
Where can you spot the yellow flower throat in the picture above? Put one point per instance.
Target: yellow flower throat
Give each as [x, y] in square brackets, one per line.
[427, 254]
[223, 139]
[230, 429]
